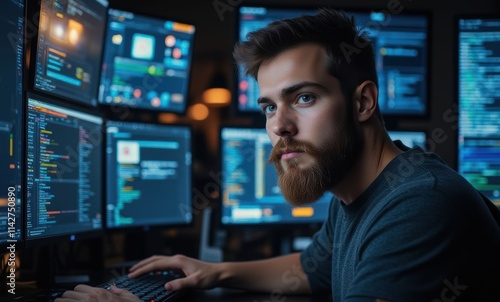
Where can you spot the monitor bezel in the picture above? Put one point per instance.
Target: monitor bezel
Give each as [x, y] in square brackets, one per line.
[31, 39]
[392, 118]
[19, 243]
[145, 227]
[456, 77]
[68, 237]
[112, 110]
[279, 226]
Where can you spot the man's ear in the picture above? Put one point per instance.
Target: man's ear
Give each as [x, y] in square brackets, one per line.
[365, 100]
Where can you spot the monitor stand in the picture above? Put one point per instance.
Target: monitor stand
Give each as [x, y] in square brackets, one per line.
[208, 253]
[290, 243]
[51, 275]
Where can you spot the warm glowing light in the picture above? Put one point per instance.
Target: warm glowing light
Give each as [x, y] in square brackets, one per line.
[59, 31]
[73, 37]
[75, 30]
[217, 96]
[198, 112]
[167, 118]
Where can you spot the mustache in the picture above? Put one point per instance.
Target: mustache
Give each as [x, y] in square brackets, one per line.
[288, 143]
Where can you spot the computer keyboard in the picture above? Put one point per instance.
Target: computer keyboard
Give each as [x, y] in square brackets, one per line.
[149, 287]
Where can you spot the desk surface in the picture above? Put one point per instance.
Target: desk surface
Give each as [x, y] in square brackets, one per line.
[226, 295]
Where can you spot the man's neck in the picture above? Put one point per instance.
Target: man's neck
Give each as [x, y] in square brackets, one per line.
[378, 151]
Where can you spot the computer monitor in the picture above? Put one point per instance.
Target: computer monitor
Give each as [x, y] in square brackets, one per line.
[147, 62]
[410, 138]
[478, 44]
[400, 44]
[63, 172]
[250, 192]
[69, 49]
[148, 175]
[11, 135]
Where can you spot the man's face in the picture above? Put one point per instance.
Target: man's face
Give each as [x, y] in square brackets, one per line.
[315, 138]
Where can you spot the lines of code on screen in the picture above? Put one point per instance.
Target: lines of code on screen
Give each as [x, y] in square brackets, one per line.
[479, 104]
[63, 171]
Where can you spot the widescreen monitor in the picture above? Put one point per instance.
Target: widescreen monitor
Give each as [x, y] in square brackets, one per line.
[400, 44]
[250, 192]
[478, 61]
[147, 62]
[11, 135]
[69, 48]
[63, 172]
[148, 175]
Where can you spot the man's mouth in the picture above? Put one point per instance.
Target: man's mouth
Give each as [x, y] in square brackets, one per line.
[289, 154]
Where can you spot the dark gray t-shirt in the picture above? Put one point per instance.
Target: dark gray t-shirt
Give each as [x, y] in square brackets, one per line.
[419, 232]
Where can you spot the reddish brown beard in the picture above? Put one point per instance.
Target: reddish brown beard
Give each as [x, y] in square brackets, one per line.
[299, 186]
[331, 163]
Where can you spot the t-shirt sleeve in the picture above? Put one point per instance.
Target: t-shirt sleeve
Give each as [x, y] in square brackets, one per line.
[316, 259]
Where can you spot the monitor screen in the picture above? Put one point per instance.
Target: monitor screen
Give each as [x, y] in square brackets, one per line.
[400, 47]
[147, 62]
[11, 137]
[69, 48]
[148, 174]
[410, 138]
[63, 171]
[250, 192]
[478, 103]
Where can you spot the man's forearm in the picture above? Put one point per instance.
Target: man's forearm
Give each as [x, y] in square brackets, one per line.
[281, 274]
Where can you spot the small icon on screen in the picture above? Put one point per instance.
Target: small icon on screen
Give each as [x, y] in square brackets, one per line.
[143, 46]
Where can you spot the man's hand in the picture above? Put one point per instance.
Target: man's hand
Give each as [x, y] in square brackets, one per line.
[199, 274]
[93, 294]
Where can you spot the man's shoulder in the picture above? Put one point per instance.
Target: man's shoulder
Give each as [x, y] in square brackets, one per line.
[419, 172]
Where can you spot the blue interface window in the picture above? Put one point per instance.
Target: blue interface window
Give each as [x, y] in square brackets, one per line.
[410, 138]
[250, 191]
[68, 55]
[400, 47]
[11, 74]
[147, 62]
[63, 170]
[148, 175]
[479, 104]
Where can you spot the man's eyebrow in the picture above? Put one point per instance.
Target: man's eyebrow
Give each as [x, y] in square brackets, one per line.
[292, 89]
[263, 100]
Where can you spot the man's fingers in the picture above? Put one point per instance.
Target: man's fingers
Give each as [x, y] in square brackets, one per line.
[159, 263]
[177, 284]
[72, 295]
[142, 270]
[144, 262]
[115, 290]
[84, 288]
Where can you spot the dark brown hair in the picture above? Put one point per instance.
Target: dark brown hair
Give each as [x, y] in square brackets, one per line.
[351, 54]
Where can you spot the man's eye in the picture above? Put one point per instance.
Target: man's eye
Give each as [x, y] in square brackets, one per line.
[306, 98]
[268, 109]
